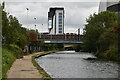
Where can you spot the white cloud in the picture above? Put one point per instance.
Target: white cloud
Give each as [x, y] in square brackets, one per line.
[75, 13]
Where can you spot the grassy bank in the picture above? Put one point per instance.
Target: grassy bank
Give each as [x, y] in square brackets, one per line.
[110, 54]
[41, 70]
[9, 55]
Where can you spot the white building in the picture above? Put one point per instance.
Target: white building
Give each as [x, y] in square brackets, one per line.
[56, 20]
[112, 5]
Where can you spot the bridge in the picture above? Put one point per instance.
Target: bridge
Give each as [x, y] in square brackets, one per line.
[60, 38]
[67, 39]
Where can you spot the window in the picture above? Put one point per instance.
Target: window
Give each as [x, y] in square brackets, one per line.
[60, 22]
[60, 31]
[60, 25]
[60, 28]
[60, 13]
[60, 17]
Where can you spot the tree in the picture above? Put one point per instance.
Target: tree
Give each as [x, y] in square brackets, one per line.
[12, 30]
[97, 25]
[91, 37]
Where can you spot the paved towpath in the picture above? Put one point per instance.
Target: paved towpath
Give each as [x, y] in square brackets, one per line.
[23, 68]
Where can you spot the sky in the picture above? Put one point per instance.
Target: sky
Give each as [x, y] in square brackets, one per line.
[76, 13]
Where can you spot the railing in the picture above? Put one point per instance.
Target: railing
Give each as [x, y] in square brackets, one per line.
[59, 37]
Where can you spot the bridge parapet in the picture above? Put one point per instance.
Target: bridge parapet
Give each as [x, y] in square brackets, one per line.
[59, 37]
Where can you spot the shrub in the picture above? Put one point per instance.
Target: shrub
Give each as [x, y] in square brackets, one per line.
[7, 59]
[77, 47]
[9, 54]
[15, 50]
[112, 53]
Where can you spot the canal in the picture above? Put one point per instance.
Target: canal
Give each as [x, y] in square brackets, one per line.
[71, 64]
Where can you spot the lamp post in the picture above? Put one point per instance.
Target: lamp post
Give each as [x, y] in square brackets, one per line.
[35, 22]
[27, 14]
[42, 29]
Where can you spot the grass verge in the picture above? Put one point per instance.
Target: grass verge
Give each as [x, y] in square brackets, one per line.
[9, 55]
[40, 69]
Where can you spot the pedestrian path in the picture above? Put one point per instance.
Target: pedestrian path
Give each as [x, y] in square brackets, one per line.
[23, 68]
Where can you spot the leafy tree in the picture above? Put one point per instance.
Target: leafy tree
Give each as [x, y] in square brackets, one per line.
[97, 25]
[91, 37]
[12, 30]
[107, 39]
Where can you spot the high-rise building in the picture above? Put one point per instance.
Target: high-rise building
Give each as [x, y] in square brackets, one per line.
[56, 20]
[111, 5]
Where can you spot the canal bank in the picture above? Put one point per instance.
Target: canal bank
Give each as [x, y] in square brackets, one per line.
[23, 68]
[39, 68]
[71, 64]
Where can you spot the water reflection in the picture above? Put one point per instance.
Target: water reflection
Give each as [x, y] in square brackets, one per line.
[71, 64]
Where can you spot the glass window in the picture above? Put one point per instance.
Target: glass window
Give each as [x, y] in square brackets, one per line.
[60, 13]
[60, 22]
[60, 31]
[60, 28]
[60, 17]
[60, 25]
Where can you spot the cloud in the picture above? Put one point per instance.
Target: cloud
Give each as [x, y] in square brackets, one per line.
[75, 13]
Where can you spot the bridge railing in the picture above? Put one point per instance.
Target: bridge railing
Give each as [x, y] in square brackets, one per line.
[59, 37]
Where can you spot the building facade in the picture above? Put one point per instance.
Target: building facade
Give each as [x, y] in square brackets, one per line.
[111, 5]
[56, 20]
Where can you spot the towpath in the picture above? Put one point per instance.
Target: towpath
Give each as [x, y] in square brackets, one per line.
[23, 68]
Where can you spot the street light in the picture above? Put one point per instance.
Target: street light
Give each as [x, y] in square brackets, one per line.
[35, 22]
[42, 27]
[27, 13]
[40, 31]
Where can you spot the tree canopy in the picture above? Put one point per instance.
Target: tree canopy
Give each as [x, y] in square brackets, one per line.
[12, 30]
[98, 32]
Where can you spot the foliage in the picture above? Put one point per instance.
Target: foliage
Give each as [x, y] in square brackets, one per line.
[16, 50]
[9, 54]
[54, 46]
[97, 25]
[77, 47]
[107, 39]
[100, 36]
[112, 53]
[12, 30]
[7, 60]
[91, 37]
[14, 37]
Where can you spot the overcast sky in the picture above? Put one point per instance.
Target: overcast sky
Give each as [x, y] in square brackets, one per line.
[75, 13]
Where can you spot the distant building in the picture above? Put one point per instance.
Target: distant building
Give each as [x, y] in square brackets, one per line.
[111, 5]
[56, 20]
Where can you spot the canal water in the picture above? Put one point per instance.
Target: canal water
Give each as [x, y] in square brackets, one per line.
[71, 64]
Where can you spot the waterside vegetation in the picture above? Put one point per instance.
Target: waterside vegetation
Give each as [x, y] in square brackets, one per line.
[101, 35]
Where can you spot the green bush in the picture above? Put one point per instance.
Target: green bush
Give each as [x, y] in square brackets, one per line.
[9, 54]
[15, 50]
[77, 47]
[112, 53]
[7, 59]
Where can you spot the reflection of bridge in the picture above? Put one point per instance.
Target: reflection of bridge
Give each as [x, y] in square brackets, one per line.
[60, 38]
